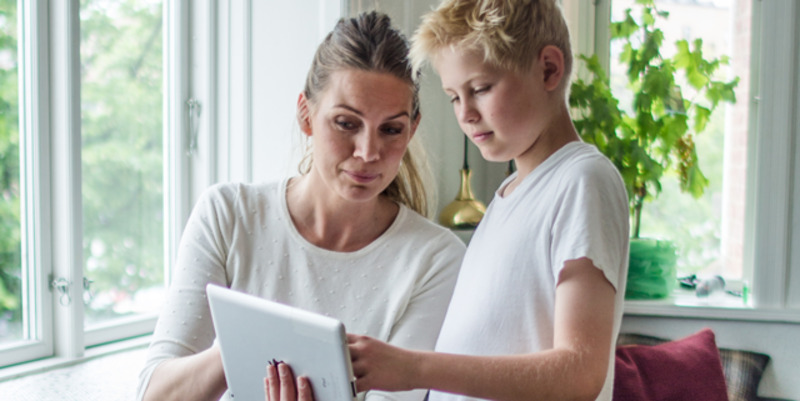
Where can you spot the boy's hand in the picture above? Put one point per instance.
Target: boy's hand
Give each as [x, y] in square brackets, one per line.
[280, 385]
[380, 366]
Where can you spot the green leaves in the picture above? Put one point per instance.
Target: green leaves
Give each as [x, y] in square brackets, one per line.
[658, 137]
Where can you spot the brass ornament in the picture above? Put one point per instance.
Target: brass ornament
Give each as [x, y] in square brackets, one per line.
[465, 212]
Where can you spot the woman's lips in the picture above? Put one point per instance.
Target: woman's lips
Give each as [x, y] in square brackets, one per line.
[362, 177]
[481, 136]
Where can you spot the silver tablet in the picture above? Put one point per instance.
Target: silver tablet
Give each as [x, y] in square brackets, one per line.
[253, 332]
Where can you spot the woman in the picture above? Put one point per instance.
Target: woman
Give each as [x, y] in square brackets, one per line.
[346, 238]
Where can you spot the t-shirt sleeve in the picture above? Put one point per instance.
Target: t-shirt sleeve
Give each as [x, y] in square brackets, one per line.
[184, 325]
[592, 221]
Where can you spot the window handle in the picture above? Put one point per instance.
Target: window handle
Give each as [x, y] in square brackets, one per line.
[61, 286]
[194, 125]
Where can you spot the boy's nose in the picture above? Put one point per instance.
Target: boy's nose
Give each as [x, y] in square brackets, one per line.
[467, 113]
[367, 147]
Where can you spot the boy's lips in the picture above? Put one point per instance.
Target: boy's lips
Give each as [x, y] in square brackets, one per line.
[481, 136]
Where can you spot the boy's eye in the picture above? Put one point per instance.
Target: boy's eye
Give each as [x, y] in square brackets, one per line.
[481, 89]
[453, 99]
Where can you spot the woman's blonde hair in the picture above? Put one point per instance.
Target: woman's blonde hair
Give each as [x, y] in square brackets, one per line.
[509, 33]
[368, 42]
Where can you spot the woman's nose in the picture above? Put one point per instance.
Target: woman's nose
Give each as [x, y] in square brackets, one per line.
[367, 147]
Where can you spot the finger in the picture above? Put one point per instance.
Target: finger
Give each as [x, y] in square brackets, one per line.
[354, 353]
[304, 392]
[358, 369]
[362, 385]
[273, 387]
[288, 391]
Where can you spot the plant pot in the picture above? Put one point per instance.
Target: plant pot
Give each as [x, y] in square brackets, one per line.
[651, 269]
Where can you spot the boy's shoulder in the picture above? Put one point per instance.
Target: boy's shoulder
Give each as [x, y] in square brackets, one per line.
[579, 163]
[580, 155]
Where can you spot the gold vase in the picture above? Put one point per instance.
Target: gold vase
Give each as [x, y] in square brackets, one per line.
[465, 211]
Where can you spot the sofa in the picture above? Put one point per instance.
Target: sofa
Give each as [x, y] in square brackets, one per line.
[691, 368]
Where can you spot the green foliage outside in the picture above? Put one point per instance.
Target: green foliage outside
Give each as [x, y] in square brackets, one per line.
[10, 232]
[658, 136]
[121, 107]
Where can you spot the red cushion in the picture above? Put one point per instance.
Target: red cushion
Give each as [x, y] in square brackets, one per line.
[685, 369]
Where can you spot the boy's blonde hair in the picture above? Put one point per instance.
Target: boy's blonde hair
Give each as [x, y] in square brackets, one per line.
[509, 33]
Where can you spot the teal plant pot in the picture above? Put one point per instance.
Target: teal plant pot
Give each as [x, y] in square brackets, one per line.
[651, 269]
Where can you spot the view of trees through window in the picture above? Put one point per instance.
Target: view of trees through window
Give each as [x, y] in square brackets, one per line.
[10, 196]
[708, 232]
[122, 168]
[121, 72]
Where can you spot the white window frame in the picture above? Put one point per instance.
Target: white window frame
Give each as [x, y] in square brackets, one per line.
[50, 129]
[33, 83]
[772, 252]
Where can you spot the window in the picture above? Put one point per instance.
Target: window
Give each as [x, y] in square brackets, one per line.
[709, 231]
[87, 158]
[12, 319]
[746, 229]
[121, 157]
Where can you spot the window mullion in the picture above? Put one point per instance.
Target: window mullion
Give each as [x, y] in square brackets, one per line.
[772, 183]
[65, 134]
[177, 189]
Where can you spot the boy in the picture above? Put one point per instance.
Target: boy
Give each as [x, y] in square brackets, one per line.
[538, 302]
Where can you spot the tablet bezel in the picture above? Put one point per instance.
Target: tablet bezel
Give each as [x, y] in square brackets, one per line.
[253, 331]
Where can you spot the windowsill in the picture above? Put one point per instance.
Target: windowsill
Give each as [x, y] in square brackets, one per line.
[718, 306]
[51, 363]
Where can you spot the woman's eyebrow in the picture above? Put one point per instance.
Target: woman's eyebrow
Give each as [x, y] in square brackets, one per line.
[358, 112]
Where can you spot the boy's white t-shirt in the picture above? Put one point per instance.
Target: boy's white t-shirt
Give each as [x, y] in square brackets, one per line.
[573, 205]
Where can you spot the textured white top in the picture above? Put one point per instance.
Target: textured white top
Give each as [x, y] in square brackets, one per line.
[572, 206]
[241, 236]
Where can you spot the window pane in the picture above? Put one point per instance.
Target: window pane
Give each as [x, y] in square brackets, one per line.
[709, 231]
[12, 318]
[121, 116]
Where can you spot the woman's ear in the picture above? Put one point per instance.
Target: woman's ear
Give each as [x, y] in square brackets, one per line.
[303, 114]
[551, 60]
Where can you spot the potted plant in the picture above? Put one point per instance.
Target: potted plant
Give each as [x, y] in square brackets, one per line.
[673, 99]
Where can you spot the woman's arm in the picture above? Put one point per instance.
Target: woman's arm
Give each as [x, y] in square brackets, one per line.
[575, 368]
[195, 377]
[182, 359]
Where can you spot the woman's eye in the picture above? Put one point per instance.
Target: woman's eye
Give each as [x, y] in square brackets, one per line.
[393, 130]
[346, 125]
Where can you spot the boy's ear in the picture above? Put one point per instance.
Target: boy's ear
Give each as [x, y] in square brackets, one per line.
[303, 114]
[551, 61]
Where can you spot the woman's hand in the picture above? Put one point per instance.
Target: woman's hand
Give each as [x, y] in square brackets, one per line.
[280, 385]
[380, 366]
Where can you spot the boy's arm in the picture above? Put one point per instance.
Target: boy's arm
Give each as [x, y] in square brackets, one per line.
[575, 368]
